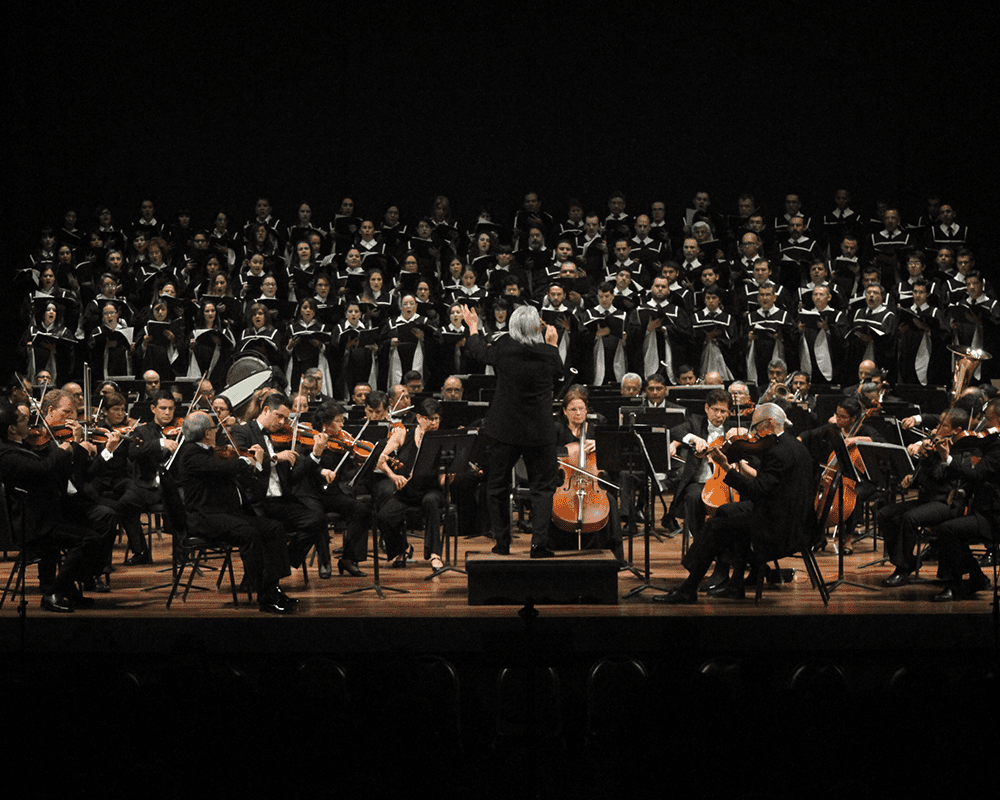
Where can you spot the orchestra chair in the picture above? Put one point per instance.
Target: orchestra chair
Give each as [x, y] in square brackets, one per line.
[189, 550]
[9, 541]
[812, 569]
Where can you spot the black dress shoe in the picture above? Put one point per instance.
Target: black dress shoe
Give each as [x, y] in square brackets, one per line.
[284, 599]
[53, 602]
[273, 607]
[718, 578]
[947, 594]
[501, 549]
[678, 596]
[979, 583]
[898, 578]
[402, 558]
[139, 558]
[728, 591]
[96, 584]
[540, 551]
[348, 566]
[326, 571]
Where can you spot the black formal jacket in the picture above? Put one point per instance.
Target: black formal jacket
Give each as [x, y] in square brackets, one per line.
[248, 434]
[782, 496]
[44, 480]
[521, 411]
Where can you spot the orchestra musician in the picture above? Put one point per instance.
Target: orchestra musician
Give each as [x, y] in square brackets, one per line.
[272, 486]
[772, 517]
[982, 480]
[423, 491]
[568, 434]
[215, 510]
[519, 421]
[43, 515]
[900, 523]
[833, 439]
[696, 434]
[328, 491]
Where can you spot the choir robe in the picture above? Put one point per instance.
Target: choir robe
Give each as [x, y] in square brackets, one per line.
[720, 353]
[922, 355]
[409, 353]
[608, 362]
[881, 324]
[821, 353]
[662, 349]
[765, 348]
[354, 364]
[977, 324]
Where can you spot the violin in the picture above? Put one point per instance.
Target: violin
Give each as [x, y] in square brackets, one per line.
[38, 437]
[736, 445]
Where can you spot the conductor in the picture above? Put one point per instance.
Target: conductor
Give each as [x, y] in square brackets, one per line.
[520, 422]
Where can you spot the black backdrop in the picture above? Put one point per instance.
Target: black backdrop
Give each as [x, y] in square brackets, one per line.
[214, 108]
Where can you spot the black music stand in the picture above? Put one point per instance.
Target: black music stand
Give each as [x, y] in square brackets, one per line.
[619, 453]
[445, 453]
[652, 483]
[884, 463]
[366, 469]
[838, 499]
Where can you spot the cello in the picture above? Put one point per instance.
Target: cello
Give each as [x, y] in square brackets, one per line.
[580, 504]
[833, 482]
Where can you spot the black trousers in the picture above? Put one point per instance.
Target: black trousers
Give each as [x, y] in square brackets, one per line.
[900, 526]
[261, 541]
[729, 532]
[540, 463]
[392, 516]
[954, 537]
[351, 509]
[305, 526]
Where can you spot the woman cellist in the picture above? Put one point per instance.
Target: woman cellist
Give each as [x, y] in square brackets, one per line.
[602, 525]
[831, 447]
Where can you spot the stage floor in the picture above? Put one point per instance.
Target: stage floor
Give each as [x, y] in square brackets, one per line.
[435, 615]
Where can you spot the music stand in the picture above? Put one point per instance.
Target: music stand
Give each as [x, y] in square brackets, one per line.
[652, 481]
[366, 469]
[617, 454]
[883, 462]
[445, 452]
[829, 501]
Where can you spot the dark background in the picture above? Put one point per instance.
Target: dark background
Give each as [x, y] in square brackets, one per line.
[212, 109]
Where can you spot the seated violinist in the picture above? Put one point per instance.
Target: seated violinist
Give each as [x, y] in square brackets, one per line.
[771, 518]
[273, 486]
[116, 484]
[569, 429]
[329, 491]
[215, 510]
[422, 492]
[900, 523]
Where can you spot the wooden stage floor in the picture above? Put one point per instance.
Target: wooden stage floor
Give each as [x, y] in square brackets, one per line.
[434, 615]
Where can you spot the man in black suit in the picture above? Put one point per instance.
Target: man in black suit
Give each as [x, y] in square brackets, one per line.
[271, 487]
[520, 421]
[697, 433]
[215, 511]
[40, 514]
[772, 517]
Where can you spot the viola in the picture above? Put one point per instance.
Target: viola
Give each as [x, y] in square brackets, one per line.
[736, 445]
